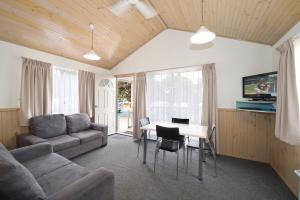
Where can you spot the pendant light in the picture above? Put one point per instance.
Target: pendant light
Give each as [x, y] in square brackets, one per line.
[203, 35]
[92, 55]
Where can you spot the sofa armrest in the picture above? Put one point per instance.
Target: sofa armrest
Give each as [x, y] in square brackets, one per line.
[95, 186]
[33, 151]
[29, 139]
[99, 127]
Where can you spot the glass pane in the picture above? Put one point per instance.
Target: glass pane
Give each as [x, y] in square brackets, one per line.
[65, 91]
[174, 94]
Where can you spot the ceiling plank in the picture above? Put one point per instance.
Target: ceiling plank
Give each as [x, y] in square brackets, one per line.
[68, 22]
[261, 21]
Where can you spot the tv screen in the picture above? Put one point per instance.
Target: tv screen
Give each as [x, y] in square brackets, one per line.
[260, 86]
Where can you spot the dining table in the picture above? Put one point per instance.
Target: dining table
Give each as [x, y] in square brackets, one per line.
[188, 130]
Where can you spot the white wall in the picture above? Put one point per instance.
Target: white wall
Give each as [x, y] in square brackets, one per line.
[10, 69]
[295, 30]
[234, 59]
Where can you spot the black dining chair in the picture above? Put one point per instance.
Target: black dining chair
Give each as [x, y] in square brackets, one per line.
[180, 121]
[208, 148]
[168, 139]
[143, 122]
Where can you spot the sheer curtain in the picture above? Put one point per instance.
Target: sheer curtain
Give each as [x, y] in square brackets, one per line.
[175, 93]
[65, 91]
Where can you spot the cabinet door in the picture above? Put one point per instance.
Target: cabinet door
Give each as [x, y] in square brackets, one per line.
[274, 145]
[242, 131]
[225, 129]
[245, 134]
[259, 138]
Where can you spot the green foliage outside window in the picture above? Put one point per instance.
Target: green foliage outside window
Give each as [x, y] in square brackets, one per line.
[124, 90]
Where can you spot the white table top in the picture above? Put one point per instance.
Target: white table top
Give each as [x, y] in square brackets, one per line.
[192, 130]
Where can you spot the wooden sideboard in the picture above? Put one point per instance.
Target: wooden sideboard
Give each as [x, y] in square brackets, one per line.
[245, 134]
[251, 135]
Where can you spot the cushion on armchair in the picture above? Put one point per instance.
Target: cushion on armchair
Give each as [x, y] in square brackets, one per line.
[47, 126]
[78, 122]
[87, 135]
[63, 142]
[16, 182]
[99, 127]
[29, 139]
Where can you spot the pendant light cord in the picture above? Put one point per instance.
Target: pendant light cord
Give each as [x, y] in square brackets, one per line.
[92, 39]
[202, 12]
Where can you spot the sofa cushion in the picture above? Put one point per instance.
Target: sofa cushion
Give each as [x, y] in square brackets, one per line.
[77, 122]
[60, 178]
[87, 135]
[63, 142]
[16, 182]
[47, 126]
[45, 164]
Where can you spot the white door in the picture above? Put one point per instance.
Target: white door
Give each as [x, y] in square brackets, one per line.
[105, 102]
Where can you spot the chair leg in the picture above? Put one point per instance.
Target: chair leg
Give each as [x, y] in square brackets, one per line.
[204, 156]
[187, 160]
[155, 158]
[213, 152]
[183, 150]
[164, 155]
[139, 148]
[191, 157]
[215, 162]
[142, 136]
[177, 165]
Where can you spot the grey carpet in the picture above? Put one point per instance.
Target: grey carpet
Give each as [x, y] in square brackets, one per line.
[237, 179]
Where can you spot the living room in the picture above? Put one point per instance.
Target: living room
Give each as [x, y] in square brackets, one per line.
[149, 99]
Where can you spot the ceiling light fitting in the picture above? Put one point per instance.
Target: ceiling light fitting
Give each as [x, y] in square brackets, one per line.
[92, 55]
[203, 35]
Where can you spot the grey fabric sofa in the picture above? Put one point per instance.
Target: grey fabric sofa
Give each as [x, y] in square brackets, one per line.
[36, 173]
[69, 135]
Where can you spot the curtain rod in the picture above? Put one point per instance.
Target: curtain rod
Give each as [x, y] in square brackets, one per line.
[156, 70]
[296, 36]
[292, 37]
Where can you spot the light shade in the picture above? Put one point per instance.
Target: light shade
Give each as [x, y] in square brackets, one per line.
[92, 55]
[203, 35]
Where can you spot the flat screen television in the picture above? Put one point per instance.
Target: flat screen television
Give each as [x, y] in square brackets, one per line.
[260, 86]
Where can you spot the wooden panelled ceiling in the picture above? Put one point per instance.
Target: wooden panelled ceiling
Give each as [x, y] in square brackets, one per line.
[61, 27]
[261, 21]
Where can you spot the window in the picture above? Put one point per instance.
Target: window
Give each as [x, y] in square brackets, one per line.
[65, 91]
[174, 93]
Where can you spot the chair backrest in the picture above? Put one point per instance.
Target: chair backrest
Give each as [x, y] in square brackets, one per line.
[180, 121]
[144, 121]
[167, 133]
[212, 132]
